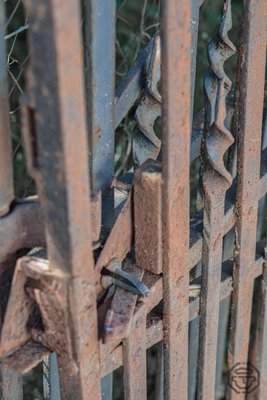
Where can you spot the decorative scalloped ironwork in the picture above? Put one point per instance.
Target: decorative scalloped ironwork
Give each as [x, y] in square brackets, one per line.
[217, 86]
[146, 144]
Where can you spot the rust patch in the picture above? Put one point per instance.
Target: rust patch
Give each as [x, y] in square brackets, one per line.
[147, 216]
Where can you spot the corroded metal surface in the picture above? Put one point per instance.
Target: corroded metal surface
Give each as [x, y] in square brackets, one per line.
[216, 180]
[262, 350]
[119, 241]
[217, 86]
[22, 228]
[253, 53]
[59, 151]
[53, 294]
[176, 72]
[146, 144]
[113, 360]
[118, 318]
[134, 356]
[147, 190]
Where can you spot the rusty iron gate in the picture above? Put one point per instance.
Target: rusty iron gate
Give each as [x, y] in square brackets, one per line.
[95, 270]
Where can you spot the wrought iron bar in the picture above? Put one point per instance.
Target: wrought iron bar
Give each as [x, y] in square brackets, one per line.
[100, 85]
[134, 360]
[51, 387]
[216, 181]
[262, 345]
[253, 52]
[176, 72]
[55, 133]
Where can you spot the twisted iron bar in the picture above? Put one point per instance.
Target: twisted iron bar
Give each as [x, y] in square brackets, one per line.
[217, 86]
[216, 180]
[146, 144]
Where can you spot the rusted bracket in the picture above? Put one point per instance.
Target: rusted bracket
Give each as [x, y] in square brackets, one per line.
[38, 300]
[120, 313]
[147, 216]
[21, 228]
[39, 303]
[37, 309]
[38, 316]
[148, 257]
[147, 197]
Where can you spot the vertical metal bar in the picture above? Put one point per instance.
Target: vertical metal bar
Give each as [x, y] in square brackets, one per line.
[100, 84]
[12, 388]
[51, 378]
[59, 155]
[134, 360]
[194, 325]
[210, 300]
[264, 139]
[100, 90]
[222, 340]
[193, 357]
[176, 73]
[216, 181]
[261, 340]
[262, 350]
[194, 27]
[46, 383]
[253, 51]
[159, 384]
[263, 202]
[194, 38]
[6, 168]
[107, 387]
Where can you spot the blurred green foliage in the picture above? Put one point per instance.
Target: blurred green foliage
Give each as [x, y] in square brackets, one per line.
[17, 57]
[137, 22]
